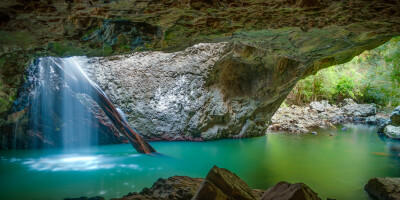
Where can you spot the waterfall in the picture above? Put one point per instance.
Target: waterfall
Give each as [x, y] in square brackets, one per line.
[58, 110]
[68, 110]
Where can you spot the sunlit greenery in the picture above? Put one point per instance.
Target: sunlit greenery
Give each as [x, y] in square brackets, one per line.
[372, 77]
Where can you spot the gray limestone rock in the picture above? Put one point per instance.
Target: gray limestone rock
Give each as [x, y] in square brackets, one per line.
[392, 131]
[194, 94]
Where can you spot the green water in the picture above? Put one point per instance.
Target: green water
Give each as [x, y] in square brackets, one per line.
[334, 166]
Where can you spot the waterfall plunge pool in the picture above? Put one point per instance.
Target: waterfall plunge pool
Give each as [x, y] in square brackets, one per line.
[334, 166]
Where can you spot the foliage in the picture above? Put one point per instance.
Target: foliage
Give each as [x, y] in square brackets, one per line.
[372, 77]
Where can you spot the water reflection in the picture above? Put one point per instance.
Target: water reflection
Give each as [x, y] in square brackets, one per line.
[334, 166]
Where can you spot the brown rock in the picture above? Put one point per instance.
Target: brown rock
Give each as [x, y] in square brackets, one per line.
[173, 188]
[287, 191]
[222, 184]
[384, 188]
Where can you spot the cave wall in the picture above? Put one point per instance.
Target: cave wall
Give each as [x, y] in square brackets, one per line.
[208, 91]
[268, 47]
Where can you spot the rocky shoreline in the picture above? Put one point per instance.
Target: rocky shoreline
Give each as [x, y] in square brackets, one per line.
[221, 183]
[297, 119]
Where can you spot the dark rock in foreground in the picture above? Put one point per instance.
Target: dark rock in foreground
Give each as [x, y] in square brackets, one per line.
[287, 191]
[176, 187]
[222, 184]
[219, 184]
[384, 188]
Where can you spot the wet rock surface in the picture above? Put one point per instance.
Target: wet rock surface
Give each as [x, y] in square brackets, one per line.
[287, 191]
[384, 188]
[296, 119]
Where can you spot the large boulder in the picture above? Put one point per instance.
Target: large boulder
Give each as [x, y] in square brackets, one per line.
[392, 131]
[384, 188]
[222, 184]
[395, 117]
[391, 128]
[318, 106]
[359, 110]
[287, 191]
[219, 184]
[173, 188]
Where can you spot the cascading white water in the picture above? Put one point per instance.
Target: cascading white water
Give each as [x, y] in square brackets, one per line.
[59, 110]
[82, 134]
[66, 109]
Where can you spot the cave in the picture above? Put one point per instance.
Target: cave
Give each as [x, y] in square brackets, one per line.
[189, 84]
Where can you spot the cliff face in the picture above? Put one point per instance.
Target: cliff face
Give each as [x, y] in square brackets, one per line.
[262, 49]
[194, 94]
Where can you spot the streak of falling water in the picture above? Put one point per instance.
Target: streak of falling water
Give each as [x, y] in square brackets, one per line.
[14, 142]
[58, 112]
[74, 135]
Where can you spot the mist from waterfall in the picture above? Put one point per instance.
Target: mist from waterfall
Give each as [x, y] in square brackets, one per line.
[62, 109]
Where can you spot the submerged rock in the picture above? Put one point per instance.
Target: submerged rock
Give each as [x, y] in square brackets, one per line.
[384, 188]
[222, 184]
[287, 191]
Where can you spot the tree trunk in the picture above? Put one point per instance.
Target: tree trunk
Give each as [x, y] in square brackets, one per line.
[72, 69]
